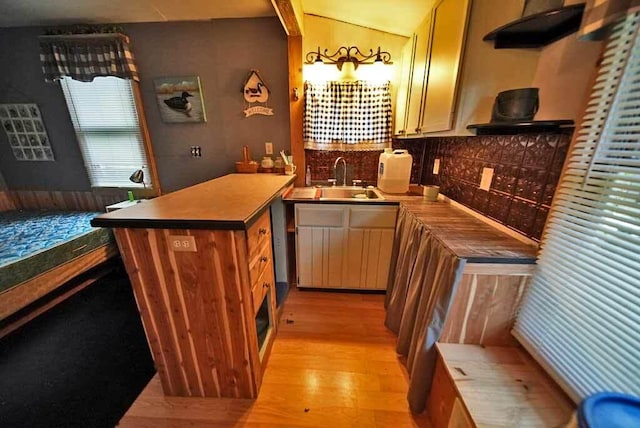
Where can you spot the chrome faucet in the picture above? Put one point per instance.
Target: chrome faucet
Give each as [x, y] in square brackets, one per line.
[335, 170]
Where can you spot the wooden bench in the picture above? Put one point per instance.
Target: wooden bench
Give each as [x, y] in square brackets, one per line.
[493, 386]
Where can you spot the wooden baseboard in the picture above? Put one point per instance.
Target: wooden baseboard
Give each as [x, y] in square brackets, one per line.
[29, 291]
[41, 306]
[6, 202]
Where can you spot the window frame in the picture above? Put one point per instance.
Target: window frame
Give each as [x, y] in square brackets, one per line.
[150, 190]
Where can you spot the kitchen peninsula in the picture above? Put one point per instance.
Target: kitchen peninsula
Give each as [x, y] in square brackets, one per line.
[201, 266]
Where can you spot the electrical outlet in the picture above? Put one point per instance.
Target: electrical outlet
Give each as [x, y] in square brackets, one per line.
[436, 167]
[268, 148]
[196, 152]
[182, 243]
[487, 177]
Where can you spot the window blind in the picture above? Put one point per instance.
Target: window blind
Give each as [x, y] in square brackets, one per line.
[581, 317]
[105, 119]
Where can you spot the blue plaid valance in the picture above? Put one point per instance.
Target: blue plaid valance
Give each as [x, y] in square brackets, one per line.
[347, 115]
[86, 56]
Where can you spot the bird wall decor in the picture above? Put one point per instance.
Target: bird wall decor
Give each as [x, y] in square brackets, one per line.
[180, 103]
[180, 99]
[256, 91]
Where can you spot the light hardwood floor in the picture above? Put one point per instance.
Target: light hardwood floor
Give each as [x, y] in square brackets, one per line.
[333, 364]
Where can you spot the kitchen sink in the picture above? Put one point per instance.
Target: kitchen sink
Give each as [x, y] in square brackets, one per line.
[349, 193]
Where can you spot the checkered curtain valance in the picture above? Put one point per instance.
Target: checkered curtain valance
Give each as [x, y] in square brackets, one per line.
[347, 116]
[84, 57]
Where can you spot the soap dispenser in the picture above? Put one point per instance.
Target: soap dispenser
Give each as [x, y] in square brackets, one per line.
[307, 177]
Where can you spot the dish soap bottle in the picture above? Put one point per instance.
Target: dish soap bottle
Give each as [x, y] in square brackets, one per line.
[307, 177]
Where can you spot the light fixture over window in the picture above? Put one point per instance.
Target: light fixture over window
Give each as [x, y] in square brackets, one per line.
[350, 54]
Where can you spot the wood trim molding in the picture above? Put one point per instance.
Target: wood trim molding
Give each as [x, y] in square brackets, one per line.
[296, 106]
[29, 291]
[6, 201]
[65, 200]
[499, 269]
[142, 120]
[285, 9]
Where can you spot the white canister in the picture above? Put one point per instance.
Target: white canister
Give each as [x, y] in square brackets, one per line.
[267, 162]
[394, 171]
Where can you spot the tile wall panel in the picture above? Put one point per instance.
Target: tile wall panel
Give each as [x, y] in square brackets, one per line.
[360, 165]
[526, 172]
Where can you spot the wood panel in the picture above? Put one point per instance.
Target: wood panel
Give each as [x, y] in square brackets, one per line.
[65, 200]
[196, 310]
[484, 309]
[29, 291]
[296, 105]
[49, 302]
[466, 236]
[333, 364]
[502, 386]
[6, 201]
[441, 397]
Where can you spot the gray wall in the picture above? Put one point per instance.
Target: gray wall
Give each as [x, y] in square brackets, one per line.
[21, 81]
[221, 52]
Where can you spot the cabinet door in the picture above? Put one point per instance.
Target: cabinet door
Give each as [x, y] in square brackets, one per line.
[320, 256]
[447, 43]
[402, 99]
[420, 66]
[368, 258]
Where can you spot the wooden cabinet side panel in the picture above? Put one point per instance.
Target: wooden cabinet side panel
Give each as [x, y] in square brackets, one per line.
[136, 253]
[195, 308]
[484, 309]
[385, 250]
[441, 397]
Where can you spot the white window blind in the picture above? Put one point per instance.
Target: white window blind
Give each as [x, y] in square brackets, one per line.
[581, 317]
[105, 119]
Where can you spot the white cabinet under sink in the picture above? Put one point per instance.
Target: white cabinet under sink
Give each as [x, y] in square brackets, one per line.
[344, 245]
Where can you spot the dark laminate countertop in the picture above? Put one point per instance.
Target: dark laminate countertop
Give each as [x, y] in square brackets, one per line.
[229, 202]
[465, 235]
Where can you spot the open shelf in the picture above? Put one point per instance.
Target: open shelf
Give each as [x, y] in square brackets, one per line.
[539, 29]
[512, 128]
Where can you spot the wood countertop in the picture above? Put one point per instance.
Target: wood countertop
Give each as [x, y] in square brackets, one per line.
[229, 202]
[468, 237]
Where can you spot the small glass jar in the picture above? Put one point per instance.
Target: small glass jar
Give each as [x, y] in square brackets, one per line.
[267, 162]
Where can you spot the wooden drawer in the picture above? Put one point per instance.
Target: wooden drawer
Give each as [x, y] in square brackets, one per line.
[373, 217]
[260, 287]
[319, 215]
[259, 261]
[258, 234]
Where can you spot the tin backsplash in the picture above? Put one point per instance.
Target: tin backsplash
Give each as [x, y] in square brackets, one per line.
[526, 173]
[360, 165]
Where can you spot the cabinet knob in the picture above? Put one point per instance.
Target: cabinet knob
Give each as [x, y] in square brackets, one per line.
[262, 231]
[264, 258]
[418, 129]
[266, 285]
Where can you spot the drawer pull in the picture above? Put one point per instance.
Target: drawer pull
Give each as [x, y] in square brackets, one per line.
[262, 231]
[264, 258]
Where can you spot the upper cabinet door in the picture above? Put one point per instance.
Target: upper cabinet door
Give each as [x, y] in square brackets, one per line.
[447, 44]
[402, 98]
[417, 81]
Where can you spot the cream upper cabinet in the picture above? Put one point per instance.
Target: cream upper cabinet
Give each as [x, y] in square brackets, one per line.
[417, 83]
[432, 80]
[402, 98]
[449, 28]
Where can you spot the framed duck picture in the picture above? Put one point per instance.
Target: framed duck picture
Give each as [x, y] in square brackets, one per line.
[180, 99]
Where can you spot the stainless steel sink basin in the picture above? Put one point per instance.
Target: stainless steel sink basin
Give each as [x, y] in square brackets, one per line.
[349, 193]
